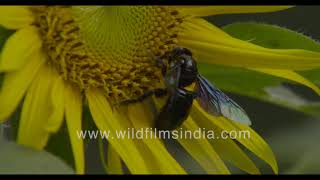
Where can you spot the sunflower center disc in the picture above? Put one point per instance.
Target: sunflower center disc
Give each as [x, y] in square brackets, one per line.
[112, 48]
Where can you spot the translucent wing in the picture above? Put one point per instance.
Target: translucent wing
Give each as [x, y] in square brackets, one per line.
[216, 103]
[172, 77]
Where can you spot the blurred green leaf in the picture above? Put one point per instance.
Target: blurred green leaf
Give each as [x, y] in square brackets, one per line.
[1, 132]
[259, 85]
[4, 35]
[17, 159]
[238, 80]
[1, 78]
[297, 147]
[307, 164]
[59, 145]
[271, 36]
[275, 37]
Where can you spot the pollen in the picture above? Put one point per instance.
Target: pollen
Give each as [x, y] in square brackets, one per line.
[114, 51]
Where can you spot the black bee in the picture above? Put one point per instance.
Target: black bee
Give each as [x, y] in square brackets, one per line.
[180, 71]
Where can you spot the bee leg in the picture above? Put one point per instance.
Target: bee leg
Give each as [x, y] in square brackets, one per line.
[157, 92]
[138, 99]
[160, 92]
[160, 61]
[195, 94]
[161, 64]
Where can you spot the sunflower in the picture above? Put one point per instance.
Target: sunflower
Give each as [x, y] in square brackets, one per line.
[60, 59]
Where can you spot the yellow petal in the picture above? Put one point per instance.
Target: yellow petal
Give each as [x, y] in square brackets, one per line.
[254, 143]
[15, 17]
[108, 120]
[57, 98]
[73, 109]
[226, 148]
[211, 45]
[201, 150]
[114, 161]
[15, 84]
[215, 10]
[142, 119]
[291, 75]
[36, 111]
[148, 156]
[19, 48]
[157, 159]
[150, 159]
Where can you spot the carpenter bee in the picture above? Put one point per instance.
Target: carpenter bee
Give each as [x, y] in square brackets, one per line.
[179, 71]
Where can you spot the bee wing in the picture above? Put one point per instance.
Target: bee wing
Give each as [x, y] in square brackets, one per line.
[216, 103]
[172, 77]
